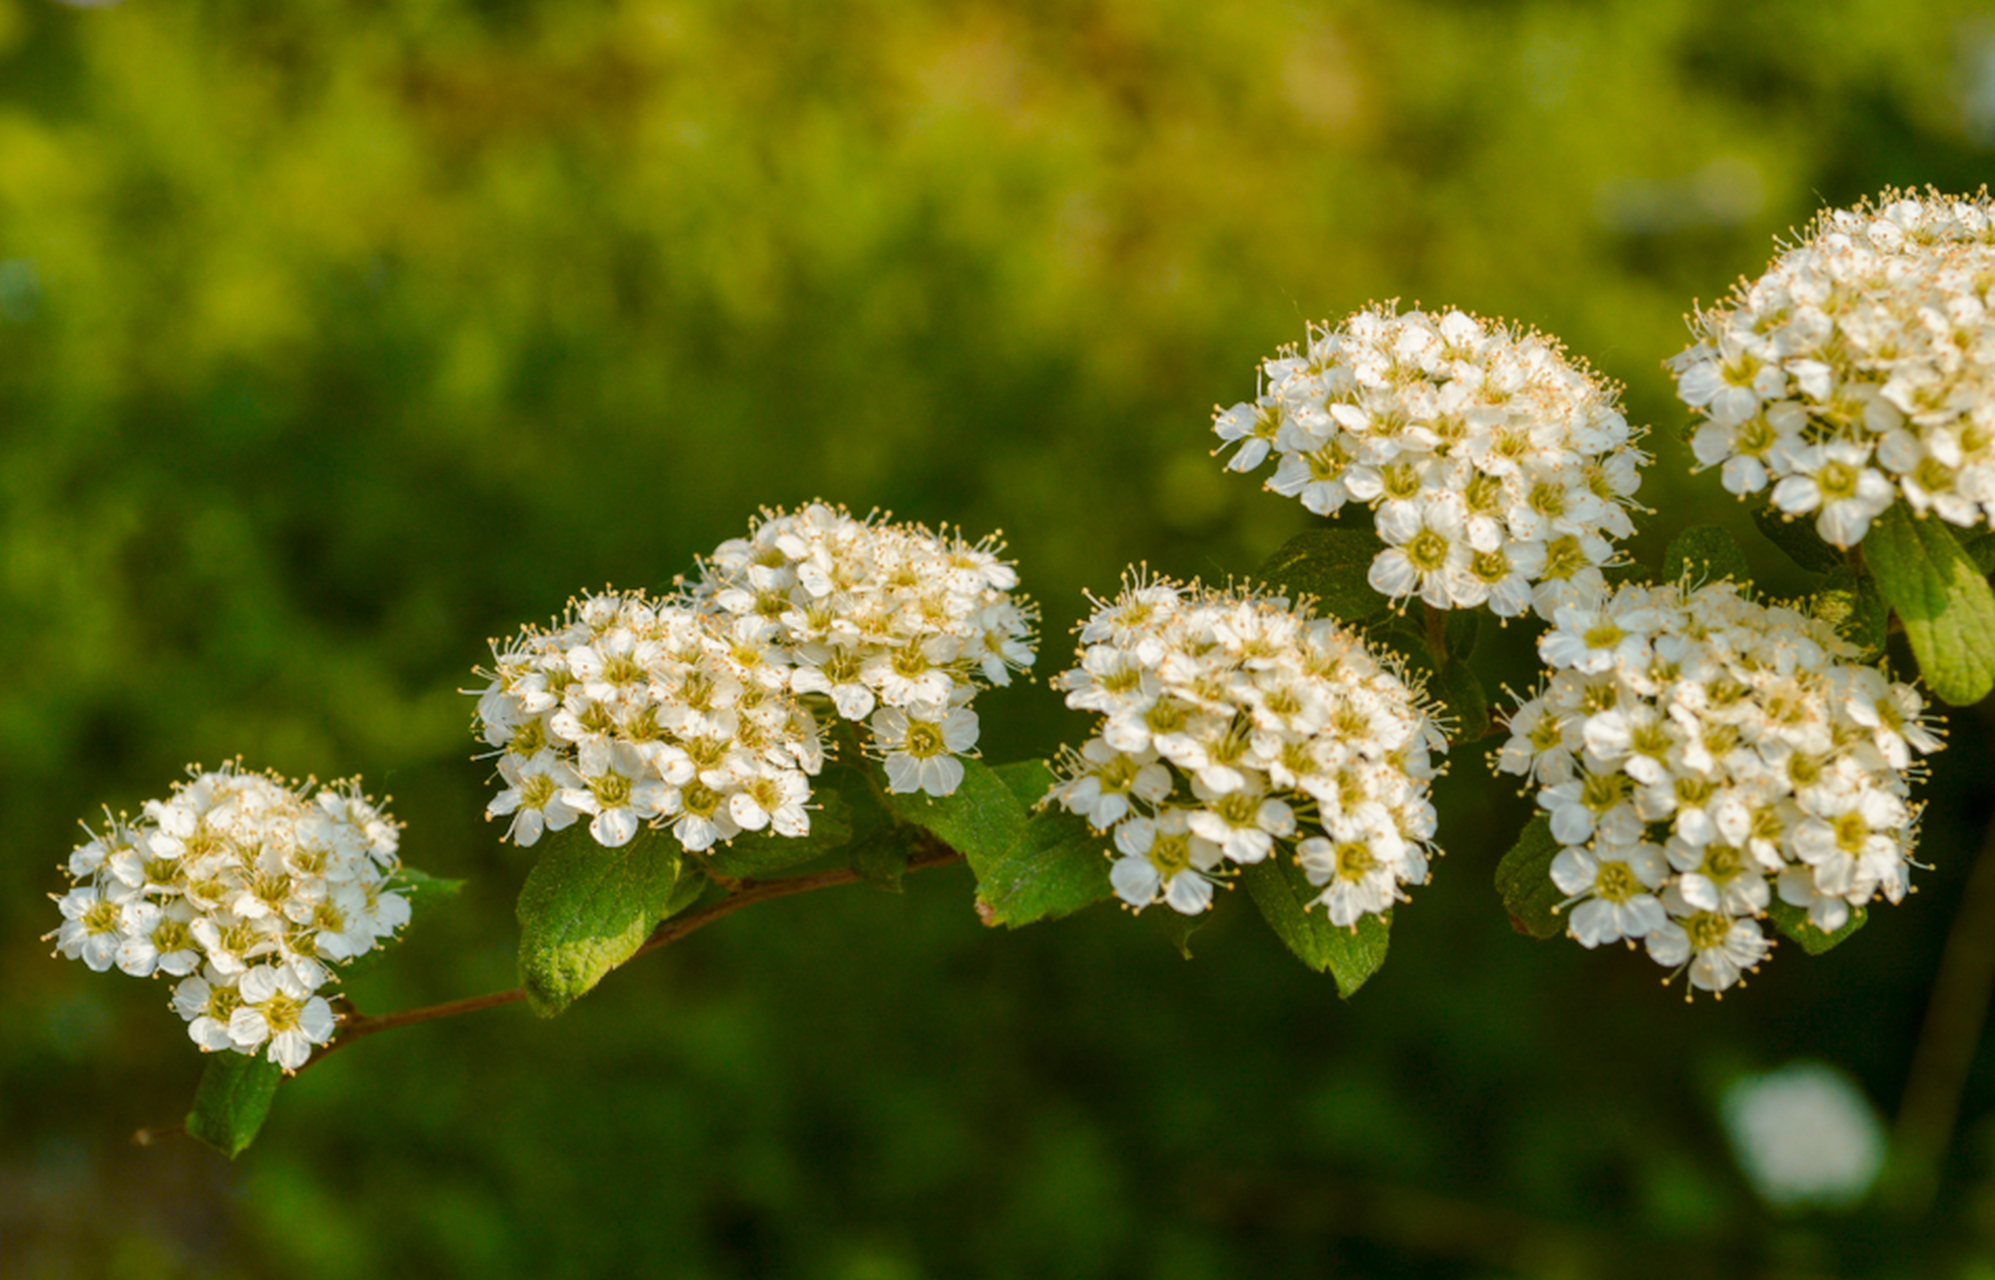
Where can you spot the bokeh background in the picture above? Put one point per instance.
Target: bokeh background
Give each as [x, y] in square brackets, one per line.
[337, 338]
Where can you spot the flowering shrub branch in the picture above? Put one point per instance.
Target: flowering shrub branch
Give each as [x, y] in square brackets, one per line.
[1707, 762]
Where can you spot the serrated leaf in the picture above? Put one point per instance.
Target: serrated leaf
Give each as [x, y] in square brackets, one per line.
[1332, 565]
[585, 909]
[233, 1100]
[1705, 553]
[1943, 600]
[761, 853]
[1852, 605]
[1797, 537]
[1029, 780]
[1060, 867]
[1793, 923]
[1461, 689]
[1524, 879]
[982, 820]
[1281, 890]
[1178, 927]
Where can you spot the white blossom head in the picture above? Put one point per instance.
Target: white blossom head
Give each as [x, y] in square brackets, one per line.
[1496, 467]
[248, 891]
[1702, 758]
[1858, 368]
[1235, 728]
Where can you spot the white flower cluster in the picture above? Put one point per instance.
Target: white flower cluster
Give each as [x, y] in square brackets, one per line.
[701, 711]
[1232, 724]
[246, 891]
[1697, 753]
[1859, 367]
[1491, 461]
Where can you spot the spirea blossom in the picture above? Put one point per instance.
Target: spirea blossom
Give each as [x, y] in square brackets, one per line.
[1698, 755]
[1498, 470]
[704, 711]
[247, 892]
[1859, 368]
[1235, 729]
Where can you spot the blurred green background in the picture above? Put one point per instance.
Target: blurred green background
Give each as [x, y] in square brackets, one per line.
[338, 338]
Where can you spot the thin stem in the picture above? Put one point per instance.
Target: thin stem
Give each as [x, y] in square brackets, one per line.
[746, 893]
[1955, 1015]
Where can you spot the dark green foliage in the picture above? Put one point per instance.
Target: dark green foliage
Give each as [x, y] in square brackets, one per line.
[1461, 689]
[1852, 605]
[1706, 553]
[585, 909]
[1941, 597]
[1524, 880]
[1331, 565]
[1350, 954]
[233, 1100]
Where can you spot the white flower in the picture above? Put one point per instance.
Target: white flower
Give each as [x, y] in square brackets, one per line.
[1742, 730]
[1855, 368]
[921, 744]
[1235, 729]
[1525, 449]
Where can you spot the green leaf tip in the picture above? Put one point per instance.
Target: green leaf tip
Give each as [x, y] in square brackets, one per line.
[233, 1100]
[1793, 923]
[585, 909]
[1349, 953]
[1942, 598]
[1524, 879]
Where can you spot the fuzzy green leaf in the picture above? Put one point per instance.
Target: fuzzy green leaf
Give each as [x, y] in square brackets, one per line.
[585, 909]
[982, 819]
[881, 858]
[1282, 891]
[1463, 626]
[1705, 553]
[233, 1100]
[1793, 923]
[1797, 537]
[1461, 689]
[1524, 879]
[761, 853]
[1980, 549]
[1943, 600]
[1332, 565]
[420, 888]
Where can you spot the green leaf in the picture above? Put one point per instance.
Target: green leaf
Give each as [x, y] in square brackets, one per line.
[1797, 537]
[759, 853]
[1281, 890]
[1060, 867]
[1981, 550]
[1463, 626]
[1943, 600]
[1461, 689]
[1330, 564]
[1705, 553]
[1852, 605]
[1029, 780]
[1178, 927]
[420, 888]
[881, 859]
[982, 819]
[1524, 879]
[233, 1100]
[685, 891]
[1793, 923]
[585, 909]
